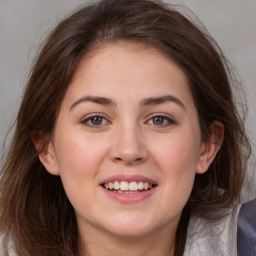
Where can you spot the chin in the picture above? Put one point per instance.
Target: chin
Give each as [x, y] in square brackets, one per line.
[130, 232]
[130, 227]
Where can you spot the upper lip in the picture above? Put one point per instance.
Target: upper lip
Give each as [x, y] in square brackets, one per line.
[128, 178]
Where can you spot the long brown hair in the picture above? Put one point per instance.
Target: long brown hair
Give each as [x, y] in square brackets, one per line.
[35, 213]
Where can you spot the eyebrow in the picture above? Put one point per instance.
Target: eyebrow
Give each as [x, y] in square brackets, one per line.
[161, 100]
[94, 99]
[145, 102]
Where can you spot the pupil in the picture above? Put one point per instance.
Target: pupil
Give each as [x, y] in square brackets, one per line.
[158, 120]
[96, 120]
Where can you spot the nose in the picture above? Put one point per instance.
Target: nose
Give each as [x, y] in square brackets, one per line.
[128, 146]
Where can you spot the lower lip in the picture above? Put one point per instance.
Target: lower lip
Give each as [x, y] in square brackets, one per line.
[129, 198]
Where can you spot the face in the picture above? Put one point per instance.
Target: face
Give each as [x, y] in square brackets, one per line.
[127, 142]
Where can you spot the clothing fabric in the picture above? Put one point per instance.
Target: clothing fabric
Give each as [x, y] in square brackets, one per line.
[246, 233]
[11, 251]
[205, 238]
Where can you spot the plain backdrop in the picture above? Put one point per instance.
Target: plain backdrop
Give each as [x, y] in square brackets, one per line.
[25, 23]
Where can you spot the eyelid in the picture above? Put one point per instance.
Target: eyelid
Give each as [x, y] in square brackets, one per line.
[86, 118]
[170, 119]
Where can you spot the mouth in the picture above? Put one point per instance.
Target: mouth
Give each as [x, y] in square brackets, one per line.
[125, 187]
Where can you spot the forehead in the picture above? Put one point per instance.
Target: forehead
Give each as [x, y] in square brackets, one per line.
[128, 70]
[122, 59]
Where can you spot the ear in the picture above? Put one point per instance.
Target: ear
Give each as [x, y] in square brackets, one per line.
[210, 148]
[46, 155]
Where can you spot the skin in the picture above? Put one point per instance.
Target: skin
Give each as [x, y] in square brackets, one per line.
[128, 139]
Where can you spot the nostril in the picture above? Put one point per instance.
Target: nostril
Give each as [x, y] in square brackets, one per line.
[119, 159]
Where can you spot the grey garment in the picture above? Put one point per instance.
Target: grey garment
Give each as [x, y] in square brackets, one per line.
[206, 238]
[10, 251]
[246, 233]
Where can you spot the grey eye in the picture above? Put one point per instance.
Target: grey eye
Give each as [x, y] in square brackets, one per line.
[96, 120]
[158, 120]
[162, 121]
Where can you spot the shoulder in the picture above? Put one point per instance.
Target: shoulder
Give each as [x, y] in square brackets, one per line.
[214, 238]
[246, 233]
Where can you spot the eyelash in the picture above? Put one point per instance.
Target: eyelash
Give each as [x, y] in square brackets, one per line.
[167, 121]
[90, 118]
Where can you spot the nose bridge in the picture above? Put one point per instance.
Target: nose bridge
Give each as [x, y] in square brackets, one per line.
[128, 145]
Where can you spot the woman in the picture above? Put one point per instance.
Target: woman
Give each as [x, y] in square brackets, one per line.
[127, 137]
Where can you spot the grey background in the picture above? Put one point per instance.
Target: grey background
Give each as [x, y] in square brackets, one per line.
[25, 23]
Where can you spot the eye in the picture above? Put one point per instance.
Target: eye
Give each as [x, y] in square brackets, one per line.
[95, 121]
[161, 120]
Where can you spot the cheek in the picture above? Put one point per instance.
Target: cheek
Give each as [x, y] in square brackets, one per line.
[177, 158]
[78, 164]
[178, 153]
[78, 155]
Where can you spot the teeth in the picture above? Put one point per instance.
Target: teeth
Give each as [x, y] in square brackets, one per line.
[145, 185]
[128, 187]
[116, 185]
[133, 186]
[110, 185]
[124, 185]
[141, 185]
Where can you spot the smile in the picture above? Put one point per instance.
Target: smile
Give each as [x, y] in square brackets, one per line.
[128, 187]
